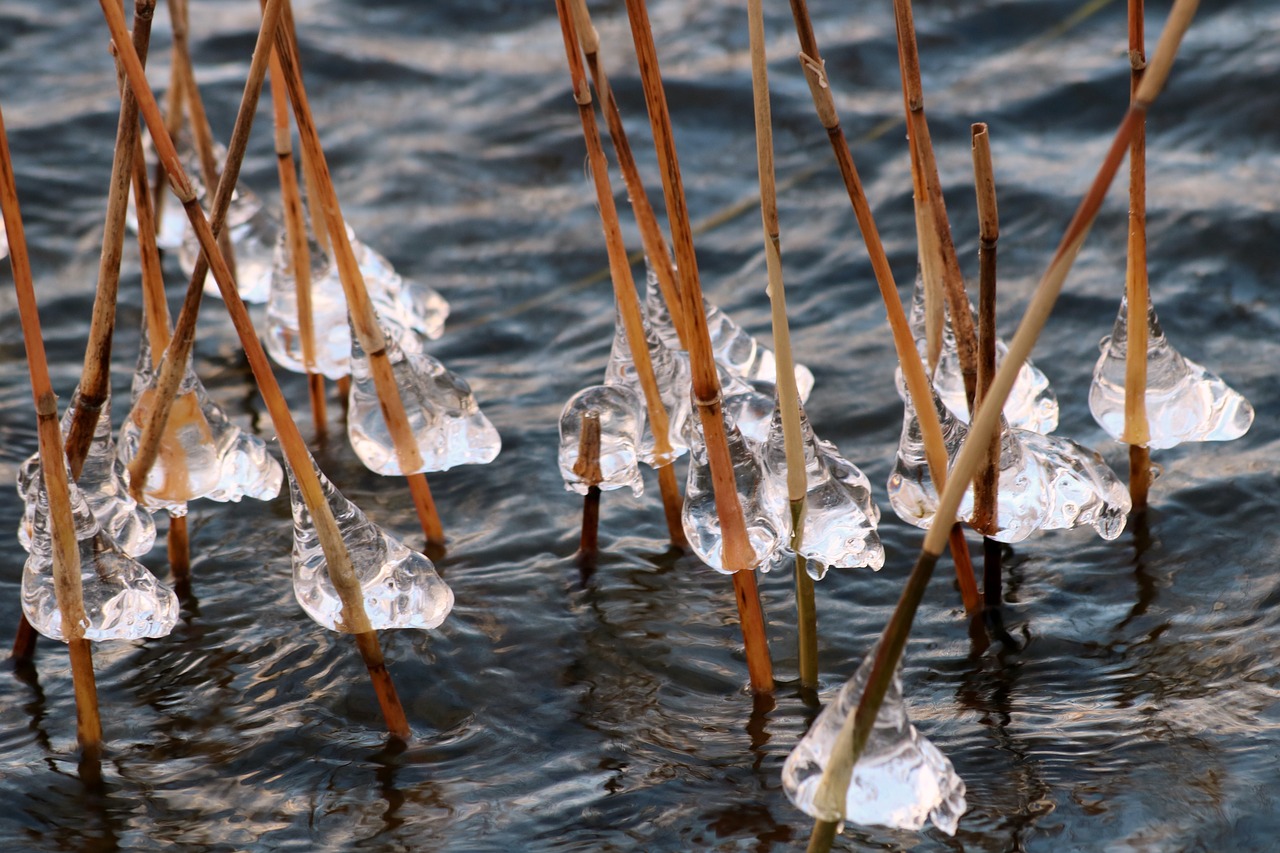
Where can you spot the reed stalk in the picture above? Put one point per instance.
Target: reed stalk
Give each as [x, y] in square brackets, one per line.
[364, 318]
[986, 419]
[624, 289]
[175, 99]
[738, 555]
[919, 389]
[355, 619]
[588, 470]
[1137, 432]
[65, 548]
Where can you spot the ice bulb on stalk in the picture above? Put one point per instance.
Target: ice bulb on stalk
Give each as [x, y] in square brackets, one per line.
[254, 233]
[328, 314]
[447, 424]
[621, 423]
[840, 517]
[122, 600]
[900, 780]
[1185, 402]
[103, 482]
[247, 469]
[406, 308]
[701, 522]
[672, 373]
[400, 587]
[748, 405]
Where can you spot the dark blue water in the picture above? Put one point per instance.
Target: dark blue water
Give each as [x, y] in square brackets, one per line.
[1141, 714]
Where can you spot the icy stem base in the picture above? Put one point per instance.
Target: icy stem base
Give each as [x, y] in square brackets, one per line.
[621, 424]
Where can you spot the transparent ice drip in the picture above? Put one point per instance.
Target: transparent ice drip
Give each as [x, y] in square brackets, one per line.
[671, 371]
[406, 308]
[103, 482]
[247, 468]
[122, 600]
[900, 780]
[765, 530]
[328, 314]
[401, 588]
[840, 517]
[1184, 401]
[446, 422]
[622, 419]
[254, 232]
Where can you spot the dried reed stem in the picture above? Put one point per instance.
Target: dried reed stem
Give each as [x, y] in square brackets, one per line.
[624, 289]
[986, 419]
[355, 619]
[66, 551]
[175, 98]
[738, 556]
[917, 381]
[1137, 431]
[587, 467]
[364, 318]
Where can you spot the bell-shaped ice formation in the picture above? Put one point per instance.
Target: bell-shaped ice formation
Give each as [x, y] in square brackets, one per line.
[328, 314]
[447, 424]
[405, 307]
[1185, 402]
[736, 350]
[840, 517]
[672, 372]
[122, 600]
[622, 419]
[254, 233]
[900, 780]
[1031, 403]
[1044, 483]
[401, 588]
[248, 469]
[748, 405]
[188, 465]
[766, 531]
[103, 482]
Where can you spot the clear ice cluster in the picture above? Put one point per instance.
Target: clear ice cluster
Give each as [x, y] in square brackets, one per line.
[1185, 402]
[122, 600]
[401, 587]
[254, 232]
[103, 482]
[1044, 482]
[447, 424]
[622, 421]
[673, 374]
[900, 780]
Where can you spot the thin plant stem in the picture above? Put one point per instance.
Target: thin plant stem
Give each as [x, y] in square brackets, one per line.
[624, 289]
[587, 467]
[65, 548]
[175, 100]
[738, 555]
[364, 318]
[354, 618]
[1137, 431]
[919, 389]
[179, 552]
[986, 418]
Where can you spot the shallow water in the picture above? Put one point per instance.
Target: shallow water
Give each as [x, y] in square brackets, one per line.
[549, 715]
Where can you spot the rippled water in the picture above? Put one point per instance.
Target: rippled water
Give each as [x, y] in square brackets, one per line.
[552, 716]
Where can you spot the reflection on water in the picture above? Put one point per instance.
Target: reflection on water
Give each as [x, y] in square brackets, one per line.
[551, 713]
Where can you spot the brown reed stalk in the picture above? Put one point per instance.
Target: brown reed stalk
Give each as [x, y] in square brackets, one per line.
[355, 619]
[66, 551]
[177, 348]
[624, 288]
[919, 389]
[655, 246]
[738, 555]
[175, 98]
[364, 319]
[986, 419]
[1137, 432]
[587, 467]
[922, 151]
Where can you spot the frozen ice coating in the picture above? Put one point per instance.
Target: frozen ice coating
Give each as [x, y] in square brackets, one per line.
[173, 223]
[254, 232]
[765, 530]
[1185, 402]
[328, 314]
[4, 241]
[1031, 403]
[900, 780]
[103, 482]
[748, 405]
[733, 348]
[247, 468]
[189, 464]
[621, 424]
[1045, 482]
[401, 587]
[840, 517]
[674, 376]
[446, 421]
[122, 600]
[404, 306]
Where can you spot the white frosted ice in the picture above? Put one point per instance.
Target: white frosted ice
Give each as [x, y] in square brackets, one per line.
[401, 587]
[1184, 401]
[900, 780]
[622, 419]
